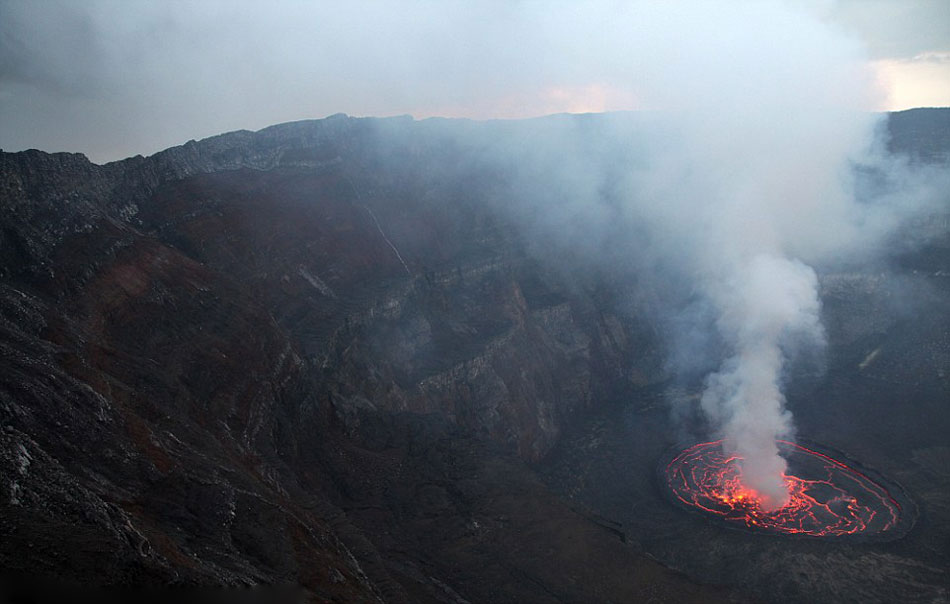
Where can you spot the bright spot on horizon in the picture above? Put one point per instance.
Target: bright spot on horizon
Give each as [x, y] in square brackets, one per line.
[591, 98]
[922, 81]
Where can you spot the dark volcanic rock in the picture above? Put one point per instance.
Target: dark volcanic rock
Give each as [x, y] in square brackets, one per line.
[213, 358]
[921, 134]
[319, 354]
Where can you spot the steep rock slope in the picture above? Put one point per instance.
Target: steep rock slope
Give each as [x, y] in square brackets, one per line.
[244, 360]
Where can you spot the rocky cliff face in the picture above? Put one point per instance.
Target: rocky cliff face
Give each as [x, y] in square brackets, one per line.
[210, 353]
[318, 354]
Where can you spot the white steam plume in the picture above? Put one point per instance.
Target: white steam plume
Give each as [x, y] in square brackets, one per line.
[751, 185]
[769, 299]
[741, 184]
[738, 180]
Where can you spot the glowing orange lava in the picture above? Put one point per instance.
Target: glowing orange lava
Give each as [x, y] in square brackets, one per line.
[826, 497]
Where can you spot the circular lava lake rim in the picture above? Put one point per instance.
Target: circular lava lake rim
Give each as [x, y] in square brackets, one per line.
[907, 507]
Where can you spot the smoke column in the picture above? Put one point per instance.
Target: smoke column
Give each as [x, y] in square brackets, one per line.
[720, 197]
[739, 184]
[753, 187]
[767, 299]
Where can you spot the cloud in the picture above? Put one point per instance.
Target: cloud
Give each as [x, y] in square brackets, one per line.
[114, 78]
[895, 29]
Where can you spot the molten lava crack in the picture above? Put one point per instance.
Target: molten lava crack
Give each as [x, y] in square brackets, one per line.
[826, 497]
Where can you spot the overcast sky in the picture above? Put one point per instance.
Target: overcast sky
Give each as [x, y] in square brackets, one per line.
[114, 78]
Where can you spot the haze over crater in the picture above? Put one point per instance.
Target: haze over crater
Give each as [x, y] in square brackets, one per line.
[113, 79]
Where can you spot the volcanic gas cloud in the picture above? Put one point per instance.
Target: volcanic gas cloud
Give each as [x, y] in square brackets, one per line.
[757, 182]
[772, 298]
